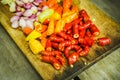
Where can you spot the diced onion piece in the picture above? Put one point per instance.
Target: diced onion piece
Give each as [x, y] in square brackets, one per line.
[28, 5]
[14, 18]
[15, 24]
[29, 24]
[31, 19]
[27, 13]
[19, 13]
[33, 16]
[34, 9]
[35, 3]
[25, 1]
[22, 22]
[38, 1]
[19, 9]
[31, 1]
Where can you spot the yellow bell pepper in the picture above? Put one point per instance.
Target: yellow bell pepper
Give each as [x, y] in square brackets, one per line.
[68, 17]
[35, 46]
[36, 23]
[56, 16]
[67, 13]
[38, 26]
[33, 35]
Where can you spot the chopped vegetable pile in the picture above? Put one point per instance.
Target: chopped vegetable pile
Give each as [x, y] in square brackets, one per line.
[55, 29]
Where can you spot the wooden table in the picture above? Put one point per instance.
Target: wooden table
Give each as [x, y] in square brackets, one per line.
[14, 66]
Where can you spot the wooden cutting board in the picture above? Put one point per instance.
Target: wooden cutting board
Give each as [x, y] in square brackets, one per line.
[107, 28]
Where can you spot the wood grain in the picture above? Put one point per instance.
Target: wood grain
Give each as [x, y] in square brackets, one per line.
[46, 70]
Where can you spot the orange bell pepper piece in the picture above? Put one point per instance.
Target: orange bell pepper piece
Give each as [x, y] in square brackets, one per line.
[50, 3]
[43, 41]
[59, 10]
[66, 5]
[27, 30]
[50, 29]
[71, 17]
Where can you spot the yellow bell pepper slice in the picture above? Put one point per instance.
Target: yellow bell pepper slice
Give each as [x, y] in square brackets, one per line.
[35, 46]
[33, 35]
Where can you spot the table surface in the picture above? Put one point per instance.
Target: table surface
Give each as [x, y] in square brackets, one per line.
[14, 65]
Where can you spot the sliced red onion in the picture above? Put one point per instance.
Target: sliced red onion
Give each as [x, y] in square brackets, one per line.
[19, 9]
[22, 22]
[32, 16]
[31, 19]
[27, 6]
[34, 9]
[15, 24]
[25, 1]
[31, 1]
[29, 24]
[19, 13]
[38, 1]
[28, 13]
[39, 9]
[14, 18]
[35, 3]
[25, 18]
[19, 2]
